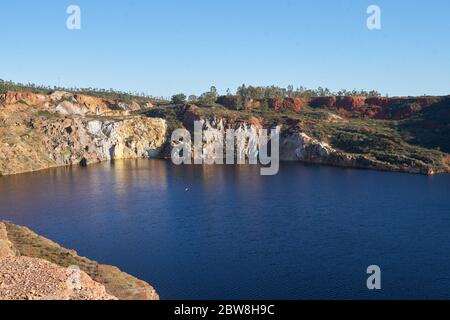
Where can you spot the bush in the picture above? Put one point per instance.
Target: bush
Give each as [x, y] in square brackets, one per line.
[179, 98]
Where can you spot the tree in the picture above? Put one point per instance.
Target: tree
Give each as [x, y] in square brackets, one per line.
[290, 91]
[209, 98]
[193, 98]
[179, 98]
[264, 105]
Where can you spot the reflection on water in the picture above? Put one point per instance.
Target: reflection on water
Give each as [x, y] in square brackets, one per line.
[225, 232]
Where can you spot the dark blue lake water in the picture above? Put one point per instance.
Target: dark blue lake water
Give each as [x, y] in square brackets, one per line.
[225, 232]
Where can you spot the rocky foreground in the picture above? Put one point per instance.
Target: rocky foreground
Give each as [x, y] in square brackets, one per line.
[39, 131]
[24, 278]
[35, 268]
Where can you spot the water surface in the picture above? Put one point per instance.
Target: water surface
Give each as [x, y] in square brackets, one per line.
[225, 232]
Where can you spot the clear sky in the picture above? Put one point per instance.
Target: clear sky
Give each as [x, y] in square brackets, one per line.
[166, 47]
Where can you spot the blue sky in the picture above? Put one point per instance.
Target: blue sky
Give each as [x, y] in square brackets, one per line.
[165, 47]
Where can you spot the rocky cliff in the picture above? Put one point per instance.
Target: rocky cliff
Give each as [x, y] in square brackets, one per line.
[33, 267]
[320, 136]
[39, 131]
[298, 146]
[394, 108]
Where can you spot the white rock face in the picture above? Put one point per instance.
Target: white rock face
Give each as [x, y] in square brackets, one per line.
[72, 140]
[300, 146]
[41, 131]
[70, 108]
[94, 127]
[294, 147]
[214, 135]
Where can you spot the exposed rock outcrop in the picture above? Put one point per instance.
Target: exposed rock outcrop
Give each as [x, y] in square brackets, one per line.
[378, 101]
[25, 278]
[61, 133]
[236, 103]
[299, 146]
[12, 97]
[299, 141]
[326, 102]
[75, 139]
[6, 247]
[33, 267]
[214, 133]
[67, 103]
[62, 128]
[350, 103]
[395, 108]
[296, 146]
[292, 104]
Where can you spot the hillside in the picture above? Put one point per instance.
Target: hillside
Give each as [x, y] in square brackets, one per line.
[407, 134]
